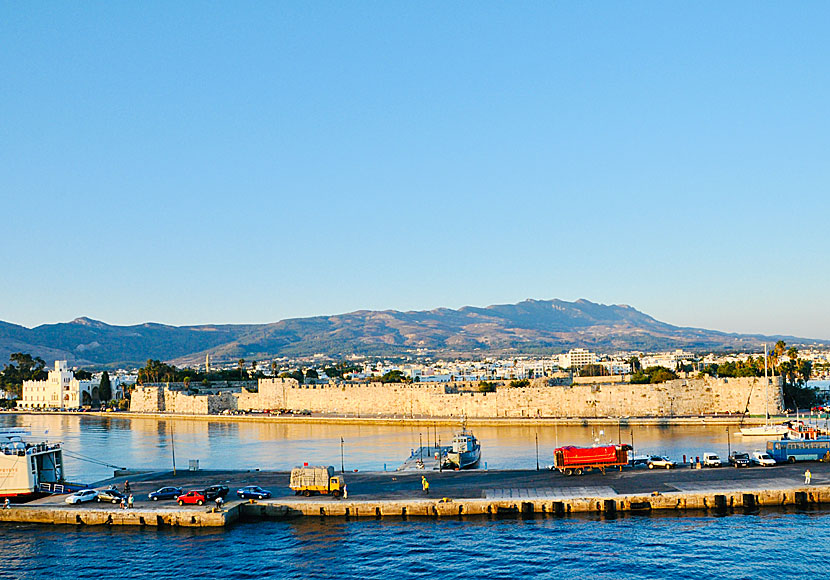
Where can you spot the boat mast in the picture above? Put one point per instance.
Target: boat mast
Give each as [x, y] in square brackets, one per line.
[766, 384]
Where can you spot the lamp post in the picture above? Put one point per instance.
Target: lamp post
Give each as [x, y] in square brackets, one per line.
[173, 447]
[537, 451]
[342, 465]
[728, 443]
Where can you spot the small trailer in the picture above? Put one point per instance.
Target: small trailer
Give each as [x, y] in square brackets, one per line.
[572, 460]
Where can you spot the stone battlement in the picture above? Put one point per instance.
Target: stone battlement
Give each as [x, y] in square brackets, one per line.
[676, 397]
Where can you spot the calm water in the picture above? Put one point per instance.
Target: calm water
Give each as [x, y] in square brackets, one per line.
[771, 545]
[149, 443]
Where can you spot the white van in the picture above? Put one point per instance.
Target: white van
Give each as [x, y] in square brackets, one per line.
[711, 460]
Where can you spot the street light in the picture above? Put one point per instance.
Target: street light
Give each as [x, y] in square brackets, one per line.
[728, 443]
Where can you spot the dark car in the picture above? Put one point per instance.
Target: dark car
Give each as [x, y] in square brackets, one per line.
[215, 491]
[165, 493]
[111, 495]
[253, 491]
[192, 496]
[739, 459]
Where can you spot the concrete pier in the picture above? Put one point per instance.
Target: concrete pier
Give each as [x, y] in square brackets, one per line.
[453, 494]
[746, 500]
[92, 516]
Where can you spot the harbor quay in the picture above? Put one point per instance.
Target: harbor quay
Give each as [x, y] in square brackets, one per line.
[451, 494]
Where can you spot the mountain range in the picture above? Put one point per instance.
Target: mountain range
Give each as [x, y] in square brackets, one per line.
[529, 327]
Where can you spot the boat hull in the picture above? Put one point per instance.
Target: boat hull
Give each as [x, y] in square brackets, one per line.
[764, 431]
[466, 460]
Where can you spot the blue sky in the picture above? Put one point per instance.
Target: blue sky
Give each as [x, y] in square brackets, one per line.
[247, 162]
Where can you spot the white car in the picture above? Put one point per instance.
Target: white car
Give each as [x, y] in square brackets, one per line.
[82, 496]
[711, 460]
[763, 459]
[660, 461]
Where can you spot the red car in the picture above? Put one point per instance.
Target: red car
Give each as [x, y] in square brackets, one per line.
[193, 496]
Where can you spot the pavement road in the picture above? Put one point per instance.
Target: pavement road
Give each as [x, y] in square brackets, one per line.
[492, 484]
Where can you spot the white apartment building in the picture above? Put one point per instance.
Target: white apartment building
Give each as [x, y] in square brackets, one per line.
[577, 358]
[60, 390]
[669, 360]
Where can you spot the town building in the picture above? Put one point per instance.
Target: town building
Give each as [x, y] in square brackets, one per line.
[60, 390]
[577, 358]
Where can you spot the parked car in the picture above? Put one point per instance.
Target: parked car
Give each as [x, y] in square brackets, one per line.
[659, 461]
[214, 491]
[165, 493]
[193, 496]
[253, 491]
[711, 460]
[111, 495]
[739, 459]
[762, 458]
[82, 496]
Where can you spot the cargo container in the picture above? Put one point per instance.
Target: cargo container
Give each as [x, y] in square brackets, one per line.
[572, 460]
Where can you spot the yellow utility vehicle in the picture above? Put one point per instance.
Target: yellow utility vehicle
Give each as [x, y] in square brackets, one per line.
[307, 480]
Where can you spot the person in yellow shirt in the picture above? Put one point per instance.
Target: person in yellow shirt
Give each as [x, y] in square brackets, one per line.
[425, 485]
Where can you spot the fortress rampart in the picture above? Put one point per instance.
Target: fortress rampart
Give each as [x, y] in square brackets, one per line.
[692, 396]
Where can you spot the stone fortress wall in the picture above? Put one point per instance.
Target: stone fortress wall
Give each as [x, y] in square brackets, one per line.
[689, 396]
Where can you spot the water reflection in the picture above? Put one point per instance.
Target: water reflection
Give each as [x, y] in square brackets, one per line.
[146, 443]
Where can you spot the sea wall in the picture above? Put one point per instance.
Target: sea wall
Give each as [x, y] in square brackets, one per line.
[672, 398]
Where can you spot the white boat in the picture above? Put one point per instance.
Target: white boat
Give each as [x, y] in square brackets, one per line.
[27, 468]
[767, 429]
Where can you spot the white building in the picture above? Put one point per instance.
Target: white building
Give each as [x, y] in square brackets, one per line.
[60, 390]
[577, 358]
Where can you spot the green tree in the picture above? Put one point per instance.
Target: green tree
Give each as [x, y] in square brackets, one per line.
[296, 375]
[27, 368]
[105, 387]
[656, 374]
[394, 376]
[520, 384]
[486, 387]
[311, 374]
[640, 378]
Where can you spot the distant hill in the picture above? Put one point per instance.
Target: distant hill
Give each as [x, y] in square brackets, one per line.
[530, 327]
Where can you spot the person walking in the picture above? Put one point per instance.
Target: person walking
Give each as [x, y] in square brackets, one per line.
[425, 485]
[130, 500]
[345, 491]
[807, 477]
[127, 487]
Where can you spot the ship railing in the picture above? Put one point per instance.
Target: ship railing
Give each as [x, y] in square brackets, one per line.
[61, 487]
